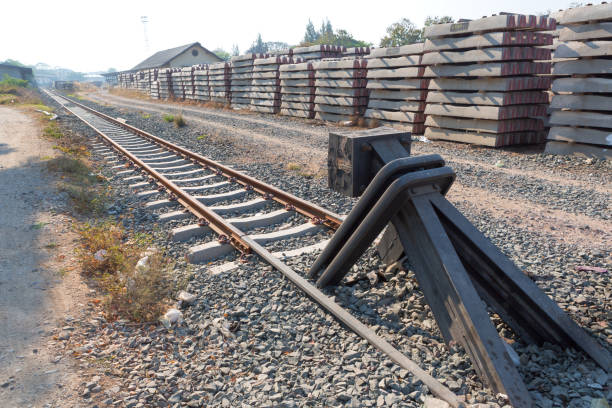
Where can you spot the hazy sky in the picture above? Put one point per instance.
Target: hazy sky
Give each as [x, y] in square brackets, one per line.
[96, 35]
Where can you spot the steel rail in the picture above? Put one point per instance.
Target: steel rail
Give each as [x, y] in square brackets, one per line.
[306, 208]
[438, 389]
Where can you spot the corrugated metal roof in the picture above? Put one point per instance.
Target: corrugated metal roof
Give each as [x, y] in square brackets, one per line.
[162, 57]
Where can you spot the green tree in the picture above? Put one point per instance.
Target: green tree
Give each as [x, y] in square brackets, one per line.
[258, 47]
[235, 50]
[13, 62]
[221, 53]
[429, 21]
[401, 33]
[311, 33]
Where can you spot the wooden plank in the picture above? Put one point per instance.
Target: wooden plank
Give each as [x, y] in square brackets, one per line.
[582, 85]
[575, 49]
[586, 119]
[489, 69]
[411, 117]
[578, 149]
[398, 95]
[405, 84]
[586, 32]
[407, 61]
[403, 106]
[584, 14]
[583, 67]
[487, 98]
[580, 135]
[490, 84]
[486, 55]
[404, 50]
[515, 38]
[395, 73]
[484, 125]
[486, 112]
[583, 102]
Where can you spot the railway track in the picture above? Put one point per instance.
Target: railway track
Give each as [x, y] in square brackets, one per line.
[224, 203]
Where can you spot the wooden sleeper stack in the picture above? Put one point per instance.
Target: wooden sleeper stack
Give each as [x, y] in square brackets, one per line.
[340, 89]
[178, 91]
[397, 87]
[581, 119]
[297, 90]
[485, 89]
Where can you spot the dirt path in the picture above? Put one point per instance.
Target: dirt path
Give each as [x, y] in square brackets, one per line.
[35, 243]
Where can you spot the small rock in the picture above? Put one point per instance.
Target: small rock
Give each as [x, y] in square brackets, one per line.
[431, 402]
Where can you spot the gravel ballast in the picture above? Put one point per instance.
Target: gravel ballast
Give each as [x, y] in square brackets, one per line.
[250, 340]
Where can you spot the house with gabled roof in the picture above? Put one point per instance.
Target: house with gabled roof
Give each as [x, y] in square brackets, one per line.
[183, 56]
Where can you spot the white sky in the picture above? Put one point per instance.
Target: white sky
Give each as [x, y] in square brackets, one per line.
[96, 35]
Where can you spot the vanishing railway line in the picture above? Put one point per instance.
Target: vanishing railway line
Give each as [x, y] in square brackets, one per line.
[204, 188]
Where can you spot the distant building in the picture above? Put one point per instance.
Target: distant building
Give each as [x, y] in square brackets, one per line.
[18, 72]
[183, 56]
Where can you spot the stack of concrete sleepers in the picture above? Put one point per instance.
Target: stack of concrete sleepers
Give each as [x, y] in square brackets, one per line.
[317, 52]
[581, 118]
[219, 82]
[241, 77]
[178, 91]
[187, 80]
[200, 83]
[165, 83]
[297, 90]
[397, 87]
[340, 89]
[356, 52]
[486, 86]
[265, 87]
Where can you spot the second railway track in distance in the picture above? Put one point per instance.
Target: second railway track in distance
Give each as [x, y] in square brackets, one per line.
[204, 188]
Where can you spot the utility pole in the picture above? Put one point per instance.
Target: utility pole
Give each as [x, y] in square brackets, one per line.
[145, 20]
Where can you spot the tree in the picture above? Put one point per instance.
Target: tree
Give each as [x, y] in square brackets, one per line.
[235, 50]
[276, 45]
[221, 53]
[311, 33]
[401, 33]
[13, 62]
[429, 21]
[326, 35]
[258, 47]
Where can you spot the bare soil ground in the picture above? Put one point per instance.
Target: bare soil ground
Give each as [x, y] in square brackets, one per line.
[39, 292]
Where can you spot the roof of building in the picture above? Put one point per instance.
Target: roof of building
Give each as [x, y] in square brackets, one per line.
[163, 57]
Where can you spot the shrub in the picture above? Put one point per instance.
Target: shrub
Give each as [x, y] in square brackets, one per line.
[179, 121]
[168, 118]
[9, 81]
[140, 294]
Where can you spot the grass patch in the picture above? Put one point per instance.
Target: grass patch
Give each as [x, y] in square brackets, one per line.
[179, 121]
[7, 98]
[67, 142]
[202, 137]
[51, 245]
[138, 291]
[87, 195]
[168, 118]
[38, 225]
[145, 115]
[293, 166]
